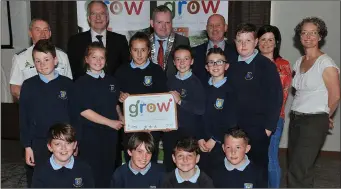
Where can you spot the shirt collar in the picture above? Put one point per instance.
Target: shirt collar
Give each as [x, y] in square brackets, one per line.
[186, 76]
[56, 166]
[158, 38]
[230, 167]
[221, 44]
[44, 78]
[93, 33]
[94, 75]
[143, 172]
[249, 60]
[133, 65]
[193, 179]
[218, 84]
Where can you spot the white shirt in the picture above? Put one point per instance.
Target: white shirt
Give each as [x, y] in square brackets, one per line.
[94, 38]
[23, 66]
[311, 92]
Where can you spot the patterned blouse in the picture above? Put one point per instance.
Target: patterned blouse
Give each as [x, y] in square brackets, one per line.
[283, 68]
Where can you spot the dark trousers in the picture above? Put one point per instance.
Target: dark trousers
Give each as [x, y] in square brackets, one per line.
[156, 136]
[307, 134]
[40, 154]
[209, 161]
[98, 149]
[259, 153]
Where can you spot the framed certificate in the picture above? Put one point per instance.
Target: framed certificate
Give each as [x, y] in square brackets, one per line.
[150, 112]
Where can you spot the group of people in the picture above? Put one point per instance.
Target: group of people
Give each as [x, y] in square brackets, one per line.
[230, 105]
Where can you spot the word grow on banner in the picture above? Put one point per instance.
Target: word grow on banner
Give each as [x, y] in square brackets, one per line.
[127, 17]
[151, 112]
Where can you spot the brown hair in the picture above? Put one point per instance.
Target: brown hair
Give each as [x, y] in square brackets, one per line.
[187, 144]
[139, 138]
[61, 131]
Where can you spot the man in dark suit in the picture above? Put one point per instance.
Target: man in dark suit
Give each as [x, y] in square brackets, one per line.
[164, 40]
[116, 44]
[216, 28]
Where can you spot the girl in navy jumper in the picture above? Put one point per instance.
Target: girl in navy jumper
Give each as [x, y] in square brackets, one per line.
[189, 94]
[99, 115]
[139, 77]
[221, 111]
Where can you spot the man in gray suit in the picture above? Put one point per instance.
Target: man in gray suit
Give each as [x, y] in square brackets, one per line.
[164, 40]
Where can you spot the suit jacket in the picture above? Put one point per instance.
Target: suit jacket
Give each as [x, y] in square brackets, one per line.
[117, 52]
[170, 67]
[200, 51]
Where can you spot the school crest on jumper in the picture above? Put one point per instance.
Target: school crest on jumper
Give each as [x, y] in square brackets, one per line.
[78, 182]
[148, 80]
[183, 93]
[248, 185]
[112, 88]
[219, 103]
[62, 95]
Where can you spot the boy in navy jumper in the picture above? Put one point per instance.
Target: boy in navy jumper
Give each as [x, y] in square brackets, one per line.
[139, 172]
[258, 86]
[187, 174]
[221, 111]
[141, 76]
[237, 171]
[189, 94]
[62, 170]
[44, 101]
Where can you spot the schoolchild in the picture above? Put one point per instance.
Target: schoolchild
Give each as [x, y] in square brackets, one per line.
[220, 113]
[237, 171]
[44, 101]
[257, 83]
[62, 170]
[186, 155]
[139, 171]
[189, 95]
[141, 76]
[98, 114]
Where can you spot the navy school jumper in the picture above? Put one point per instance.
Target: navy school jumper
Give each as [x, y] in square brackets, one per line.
[251, 176]
[98, 143]
[125, 178]
[79, 176]
[259, 92]
[42, 105]
[188, 113]
[151, 79]
[220, 115]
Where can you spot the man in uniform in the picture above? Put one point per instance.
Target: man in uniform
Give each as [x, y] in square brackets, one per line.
[23, 64]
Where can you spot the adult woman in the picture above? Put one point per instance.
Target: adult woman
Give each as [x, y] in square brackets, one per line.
[269, 41]
[317, 85]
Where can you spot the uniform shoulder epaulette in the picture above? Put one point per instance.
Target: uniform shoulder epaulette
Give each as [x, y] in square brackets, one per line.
[60, 49]
[21, 51]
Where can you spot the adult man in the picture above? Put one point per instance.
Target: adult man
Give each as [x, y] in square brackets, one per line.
[216, 28]
[116, 44]
[23, 64]
[164, 40]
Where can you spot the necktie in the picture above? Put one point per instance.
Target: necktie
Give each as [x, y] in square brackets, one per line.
[215, 46]
[99, 37]
[160, 54]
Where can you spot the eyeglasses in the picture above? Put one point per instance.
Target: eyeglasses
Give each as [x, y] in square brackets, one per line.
[310, 33]
[218, 63]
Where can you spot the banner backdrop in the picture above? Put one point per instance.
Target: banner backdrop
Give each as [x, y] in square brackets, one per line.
[128, 17]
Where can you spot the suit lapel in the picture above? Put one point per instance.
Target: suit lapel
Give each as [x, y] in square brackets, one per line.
[88, 37]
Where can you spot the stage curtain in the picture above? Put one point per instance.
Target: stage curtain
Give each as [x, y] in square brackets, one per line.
[255, 12]
[62, 17]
